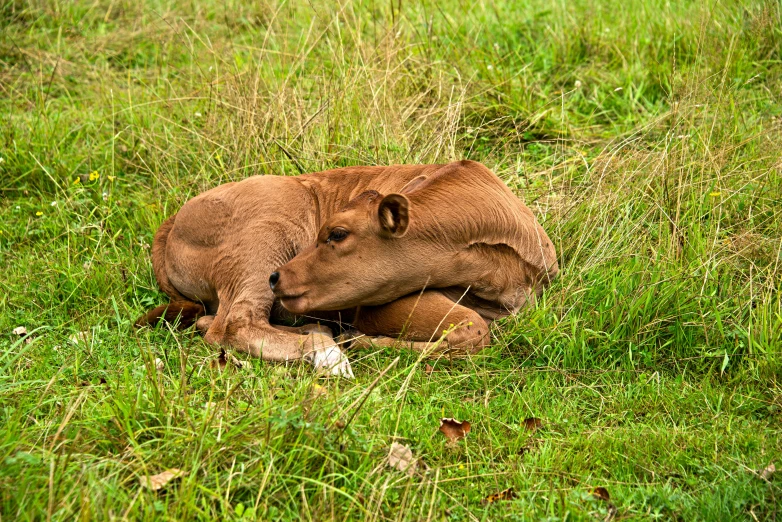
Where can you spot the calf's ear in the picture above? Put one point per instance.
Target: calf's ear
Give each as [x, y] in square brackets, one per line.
[393, 215]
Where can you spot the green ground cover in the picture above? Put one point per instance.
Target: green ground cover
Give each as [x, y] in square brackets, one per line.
[645, 135]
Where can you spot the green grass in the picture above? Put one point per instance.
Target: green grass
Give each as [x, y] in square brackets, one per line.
[645, 135]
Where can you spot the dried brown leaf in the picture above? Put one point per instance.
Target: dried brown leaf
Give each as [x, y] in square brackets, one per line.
[505, 494]
[601, 493]
[428, 369]
[401, 457]
[156, 482]
[453, 429]
[532, 424]
[767, 472]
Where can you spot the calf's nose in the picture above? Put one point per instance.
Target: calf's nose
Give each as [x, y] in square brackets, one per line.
[273, 279]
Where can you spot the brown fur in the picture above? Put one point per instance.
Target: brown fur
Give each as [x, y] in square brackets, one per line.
[454, 230]
[460, 229]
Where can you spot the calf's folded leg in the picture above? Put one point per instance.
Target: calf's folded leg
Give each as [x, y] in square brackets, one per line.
[244, 329]
[419, 320]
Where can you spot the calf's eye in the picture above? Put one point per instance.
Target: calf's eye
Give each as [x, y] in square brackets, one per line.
[337, 235]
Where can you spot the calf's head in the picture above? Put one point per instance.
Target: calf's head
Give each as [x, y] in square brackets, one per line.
[360, 257]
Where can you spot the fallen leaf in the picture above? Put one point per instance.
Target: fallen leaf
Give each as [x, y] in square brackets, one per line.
[401, 457]
[453, 429]
[20, 331]
[601, 493]
[156, 482]
[428, 369]
[505, 494]
[768, 471]
[159, 364]
[532, 424]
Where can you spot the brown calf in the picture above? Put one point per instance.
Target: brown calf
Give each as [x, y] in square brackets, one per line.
[447, 245]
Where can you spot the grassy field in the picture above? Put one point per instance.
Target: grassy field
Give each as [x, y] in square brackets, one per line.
[645, 135]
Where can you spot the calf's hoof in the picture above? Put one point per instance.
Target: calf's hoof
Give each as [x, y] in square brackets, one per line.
[330, 360]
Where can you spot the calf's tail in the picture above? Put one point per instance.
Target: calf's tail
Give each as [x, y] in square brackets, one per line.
[180, 306]
[188, 313]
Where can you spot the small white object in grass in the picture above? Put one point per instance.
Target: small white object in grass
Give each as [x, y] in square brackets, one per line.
[577, 84]
[53, 204]
[490, 67]
[197, 114]
[330, 360]
[618, 89]
[159, 364]
[20, 331]
[105, 196]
